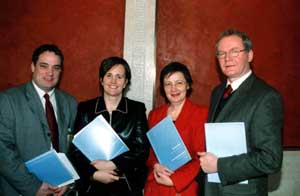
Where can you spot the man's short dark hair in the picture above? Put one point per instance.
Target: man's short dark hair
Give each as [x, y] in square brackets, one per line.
[47, 47]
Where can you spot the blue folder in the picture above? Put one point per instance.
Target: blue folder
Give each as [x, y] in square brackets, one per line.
[167, 144]
[53, 168]
[98, 141]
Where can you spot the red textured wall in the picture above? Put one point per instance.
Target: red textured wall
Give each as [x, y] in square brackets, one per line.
[88, 31]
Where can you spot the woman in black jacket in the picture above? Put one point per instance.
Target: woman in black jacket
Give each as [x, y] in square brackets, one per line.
[124, 175]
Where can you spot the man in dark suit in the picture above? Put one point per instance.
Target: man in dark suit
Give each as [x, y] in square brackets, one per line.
[24, 129]
[253, 102]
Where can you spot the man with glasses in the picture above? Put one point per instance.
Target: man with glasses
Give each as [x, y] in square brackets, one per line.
[250, 100]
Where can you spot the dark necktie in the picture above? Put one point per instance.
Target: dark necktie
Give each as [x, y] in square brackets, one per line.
[227, 92]
[52, 123]
[224, 100]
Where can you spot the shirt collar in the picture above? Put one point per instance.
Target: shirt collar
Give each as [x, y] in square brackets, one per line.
[235, 84]
[41, 92]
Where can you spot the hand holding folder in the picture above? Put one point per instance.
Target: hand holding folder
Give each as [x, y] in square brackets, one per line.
[53, 168]
[225, 139]
[167, 144]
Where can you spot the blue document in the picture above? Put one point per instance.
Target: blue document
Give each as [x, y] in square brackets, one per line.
[53, 168]
[168, 145]
[98, 141]
[223, 140]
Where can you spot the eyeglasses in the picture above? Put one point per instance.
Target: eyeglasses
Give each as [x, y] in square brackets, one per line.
[177, 84]
[232, 53]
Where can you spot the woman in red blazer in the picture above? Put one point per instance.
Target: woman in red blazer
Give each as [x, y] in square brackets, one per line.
[189, 119]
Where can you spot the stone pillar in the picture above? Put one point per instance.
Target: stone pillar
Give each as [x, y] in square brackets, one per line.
[139, 49]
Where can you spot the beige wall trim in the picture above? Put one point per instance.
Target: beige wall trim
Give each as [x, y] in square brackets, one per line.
[139, 49]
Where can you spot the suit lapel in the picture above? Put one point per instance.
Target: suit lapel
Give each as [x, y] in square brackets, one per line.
[237, 98]
[60, 110]
[35, 104]
[215, 102]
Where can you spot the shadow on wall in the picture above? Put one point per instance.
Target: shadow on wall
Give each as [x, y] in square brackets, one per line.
[287, 181]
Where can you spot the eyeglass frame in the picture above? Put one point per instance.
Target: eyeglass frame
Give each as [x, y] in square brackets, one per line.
[176, 84]
[232, 53]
